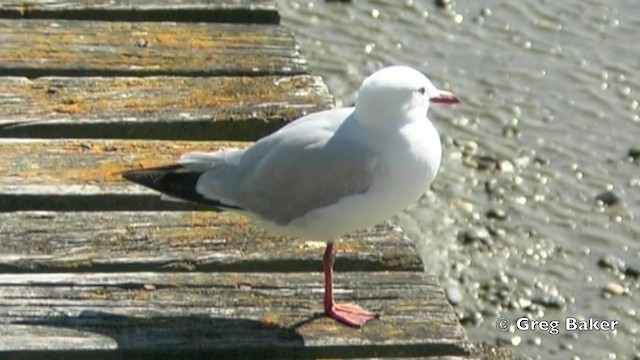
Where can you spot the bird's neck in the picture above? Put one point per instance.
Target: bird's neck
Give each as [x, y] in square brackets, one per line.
[379, 120]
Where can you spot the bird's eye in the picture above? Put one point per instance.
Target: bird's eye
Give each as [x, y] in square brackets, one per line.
[422, 90]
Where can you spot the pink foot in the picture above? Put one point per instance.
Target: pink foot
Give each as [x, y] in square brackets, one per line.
[350, 314]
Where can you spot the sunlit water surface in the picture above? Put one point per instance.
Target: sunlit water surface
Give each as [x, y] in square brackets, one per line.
[550, 109]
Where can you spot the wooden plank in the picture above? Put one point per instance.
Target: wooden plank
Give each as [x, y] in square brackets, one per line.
[244, 315]
[35, 48]
[182, 241]
[83, 174]
[231, 108]
[229, 11]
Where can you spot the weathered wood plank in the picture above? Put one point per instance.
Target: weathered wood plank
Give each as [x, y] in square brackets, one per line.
[83, 175]
[34, 48]
[227, 314]
[229, 11]
[232, 108]
[182, 241]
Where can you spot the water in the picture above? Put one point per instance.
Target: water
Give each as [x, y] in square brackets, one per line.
[551, 96]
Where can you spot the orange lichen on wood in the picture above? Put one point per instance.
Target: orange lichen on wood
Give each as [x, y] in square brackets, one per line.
[149, 47]
[92, 161]
[270, 321]
[130, 96]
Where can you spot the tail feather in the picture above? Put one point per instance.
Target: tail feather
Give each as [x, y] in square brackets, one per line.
[176, 181]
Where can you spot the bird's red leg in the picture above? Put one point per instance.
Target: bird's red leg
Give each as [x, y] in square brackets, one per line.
[348, 314]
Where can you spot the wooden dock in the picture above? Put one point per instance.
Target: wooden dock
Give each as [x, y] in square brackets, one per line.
[93, 267]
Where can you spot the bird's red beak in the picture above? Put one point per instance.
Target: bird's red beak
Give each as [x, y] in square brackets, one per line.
[444, 97]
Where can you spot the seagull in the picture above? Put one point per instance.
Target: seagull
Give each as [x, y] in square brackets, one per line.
[325, 174]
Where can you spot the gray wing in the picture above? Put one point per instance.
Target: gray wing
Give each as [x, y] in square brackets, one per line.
[285, 176]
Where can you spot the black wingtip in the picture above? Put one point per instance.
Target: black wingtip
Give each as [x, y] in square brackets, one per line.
[174, 180]
[156, 177]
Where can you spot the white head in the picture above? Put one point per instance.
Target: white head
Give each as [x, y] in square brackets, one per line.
[398, 93]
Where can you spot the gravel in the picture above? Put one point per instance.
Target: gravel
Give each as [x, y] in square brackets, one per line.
[497, 213]
[614, 288]
[608, 198]
[454, 294]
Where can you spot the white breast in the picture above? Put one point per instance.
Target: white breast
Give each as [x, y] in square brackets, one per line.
[409, 165]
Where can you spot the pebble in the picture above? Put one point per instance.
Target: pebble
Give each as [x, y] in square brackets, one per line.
[512, 305]
[476, 234]
[614, 289]
[510, 131]
[465, 206]
[506, 166]
[468, 162]
[454, 295]
[486, 162]
[496, 231]
[608, 198]
[535, 341]
[443, 3]
[516, 340]
[541, 161]
[634, 152]
[470, 147]
[612, 262]
[618, 266]
[524, 302]
[522, 161]
[518, 180]
[481, 162]
[497, 213]
[479, 19]
[504, 294]
[471, 318]
[492, 188]
[566, 346]
[550, 301]
[490, 185]
[632, 272]
[490, 312]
